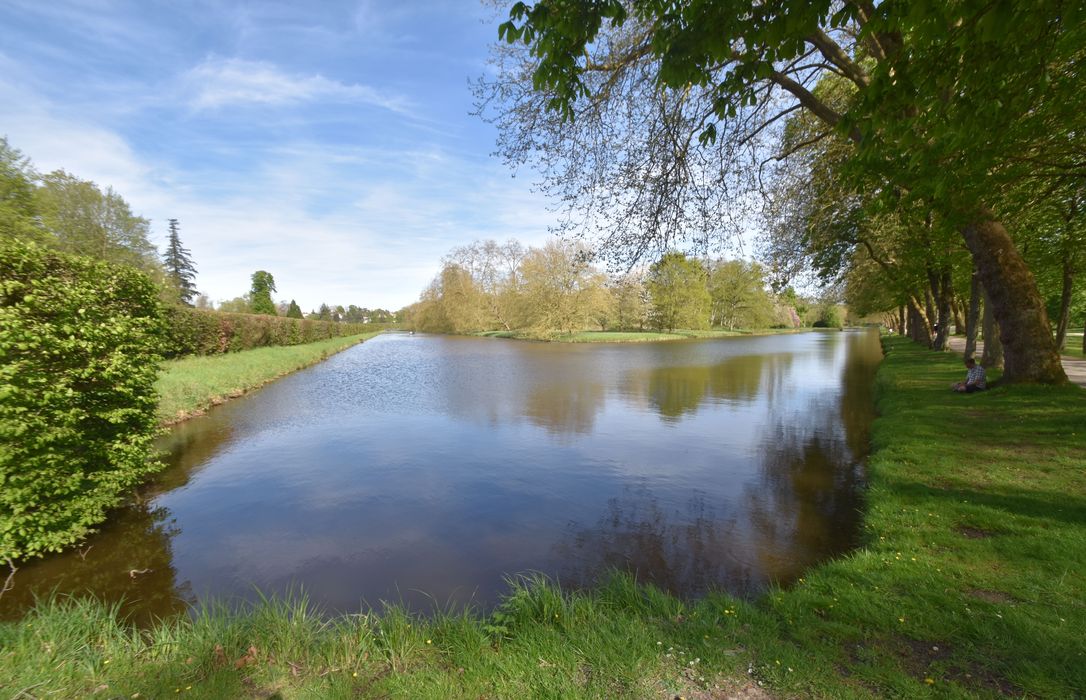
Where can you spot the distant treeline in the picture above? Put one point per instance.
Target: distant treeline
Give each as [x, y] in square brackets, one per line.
[556, 289]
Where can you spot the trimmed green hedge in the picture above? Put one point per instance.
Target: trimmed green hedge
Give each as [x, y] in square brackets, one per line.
[203, 332]
[79, 355]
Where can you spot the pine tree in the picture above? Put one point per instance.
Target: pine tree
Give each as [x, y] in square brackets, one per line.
[294, 311]
[180, 269]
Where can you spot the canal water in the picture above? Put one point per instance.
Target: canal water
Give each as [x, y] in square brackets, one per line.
[426, 469]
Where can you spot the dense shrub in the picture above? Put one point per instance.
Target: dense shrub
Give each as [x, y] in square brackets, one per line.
[79, 353]
[202, 332]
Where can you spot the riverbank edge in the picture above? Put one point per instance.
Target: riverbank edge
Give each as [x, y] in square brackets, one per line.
[638, 336]
[968, 583]
[190, 386]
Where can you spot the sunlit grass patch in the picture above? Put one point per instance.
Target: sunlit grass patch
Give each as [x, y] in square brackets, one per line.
[728, 333]
[191, 385]
[1072, 346]
[616, 337]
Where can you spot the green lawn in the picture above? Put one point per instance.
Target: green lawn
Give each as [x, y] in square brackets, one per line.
[1072, 346]
[617, 337]
[190, 385]
[971, 582]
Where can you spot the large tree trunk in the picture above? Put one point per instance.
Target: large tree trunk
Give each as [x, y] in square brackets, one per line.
[942, 292]
[956, 304]
[919, 331]
[1030, 353]
[1065, 301]
[972, 316]
[993, 348]
[929, 316]
[901, 320]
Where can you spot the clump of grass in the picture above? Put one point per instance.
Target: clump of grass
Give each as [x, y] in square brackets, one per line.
[190, 385]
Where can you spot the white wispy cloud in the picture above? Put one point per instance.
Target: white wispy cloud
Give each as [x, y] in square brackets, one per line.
[222, 82]
[352, 194]
[366, 225]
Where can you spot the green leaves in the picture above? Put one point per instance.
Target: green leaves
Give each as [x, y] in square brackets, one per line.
[79, 353]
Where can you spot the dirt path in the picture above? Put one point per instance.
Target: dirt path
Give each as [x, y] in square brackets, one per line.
[1075, 368]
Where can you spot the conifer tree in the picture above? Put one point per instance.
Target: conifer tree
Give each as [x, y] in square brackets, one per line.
[294, 311]
[180, 269]
[260, 301]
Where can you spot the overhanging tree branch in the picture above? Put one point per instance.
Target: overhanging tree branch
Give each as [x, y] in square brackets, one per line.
[837, 56]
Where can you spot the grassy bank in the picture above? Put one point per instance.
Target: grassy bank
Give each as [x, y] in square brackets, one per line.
[191, 385]
[635, 336]
[971, 583]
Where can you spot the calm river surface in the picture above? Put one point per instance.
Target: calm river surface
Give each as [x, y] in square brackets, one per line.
[427, 468]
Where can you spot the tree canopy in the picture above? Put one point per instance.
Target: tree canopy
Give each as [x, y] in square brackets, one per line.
[663, 115]
[82, 219]
[260, 299]
[555, 289]
[680, 296]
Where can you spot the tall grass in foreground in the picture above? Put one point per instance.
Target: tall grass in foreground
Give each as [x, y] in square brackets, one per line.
[191, 385]
[970, 584]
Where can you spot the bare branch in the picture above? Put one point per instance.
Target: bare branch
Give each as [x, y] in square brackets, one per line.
[819, 108]
[9, 582]
[837, 56]
[801, 145]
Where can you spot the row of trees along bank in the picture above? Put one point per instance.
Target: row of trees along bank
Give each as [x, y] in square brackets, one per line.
[938, 135]
[555, 289]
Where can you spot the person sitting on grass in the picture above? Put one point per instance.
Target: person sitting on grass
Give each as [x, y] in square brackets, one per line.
[974, 378]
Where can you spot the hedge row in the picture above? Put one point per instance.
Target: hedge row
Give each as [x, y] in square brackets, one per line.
[203, 332]
[79, 354]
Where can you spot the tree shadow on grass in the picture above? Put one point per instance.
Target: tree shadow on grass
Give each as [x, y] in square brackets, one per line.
[1042, 505]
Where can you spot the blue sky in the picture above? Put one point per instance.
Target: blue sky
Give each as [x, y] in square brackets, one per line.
[328, 143]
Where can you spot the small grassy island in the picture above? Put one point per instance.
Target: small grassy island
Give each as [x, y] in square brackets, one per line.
[969, 583]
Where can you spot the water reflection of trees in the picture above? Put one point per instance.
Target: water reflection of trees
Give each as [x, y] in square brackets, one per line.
[136, 538]
[565, 407]
[858, 389]
[130, 561]
[804, 506]
[187, 447]
[685, 551]
[568, 403]
[676, 391]
[807, 505]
